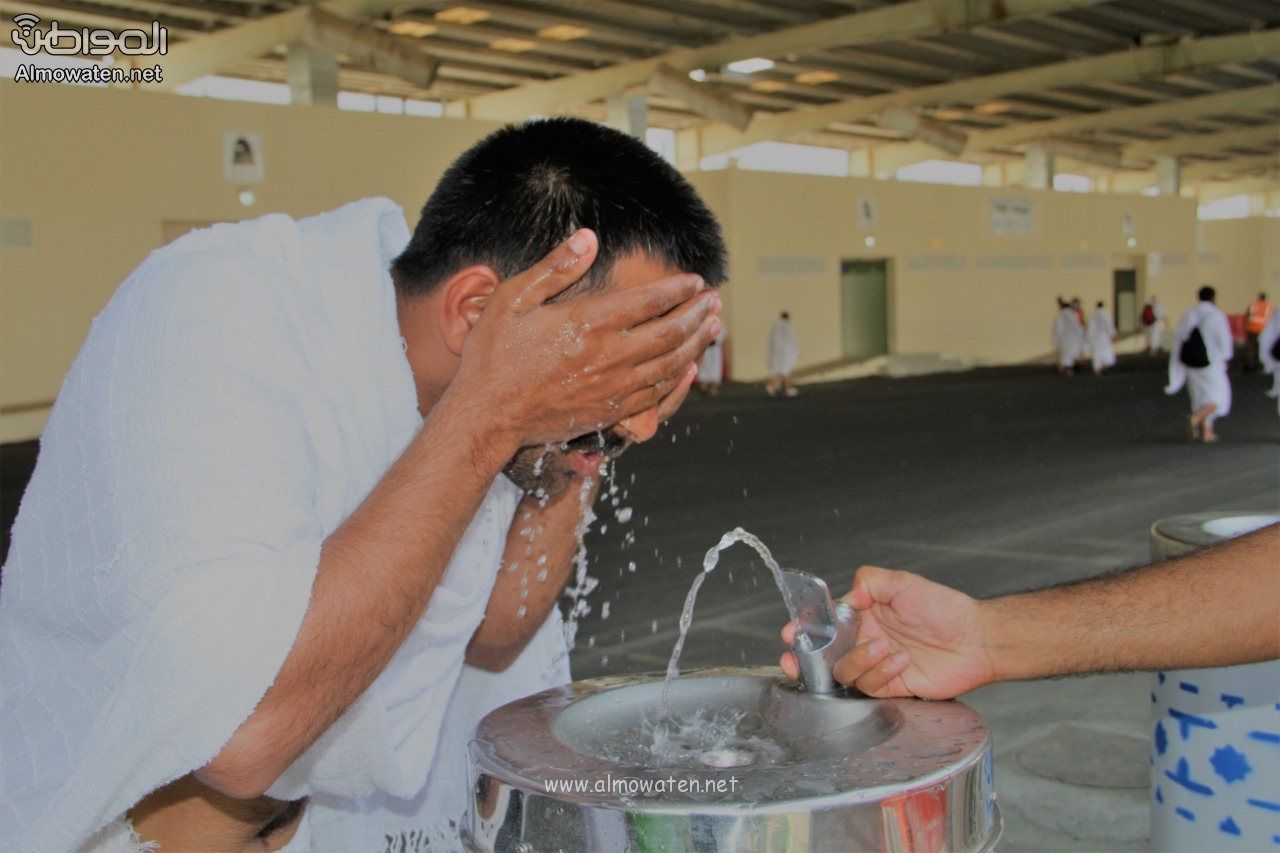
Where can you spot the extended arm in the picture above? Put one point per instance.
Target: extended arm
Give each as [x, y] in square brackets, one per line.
[1215, 607]
[535, 567]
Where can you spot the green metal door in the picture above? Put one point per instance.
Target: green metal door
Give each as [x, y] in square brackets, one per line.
[864, 307]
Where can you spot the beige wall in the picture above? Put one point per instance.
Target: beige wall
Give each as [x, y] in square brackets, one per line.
[101, 171]
[1240, 257]
[104, 173]
[955, 287]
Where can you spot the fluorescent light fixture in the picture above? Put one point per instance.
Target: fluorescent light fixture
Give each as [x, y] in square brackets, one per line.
[413, 29]
[869, 241]
[512, 45]
[462, 15]
[750, 66]
[768, 86]
[563, 32]
[247, 198]
[816, 78]
[1131, 242]
[698, 75]
[994, 108]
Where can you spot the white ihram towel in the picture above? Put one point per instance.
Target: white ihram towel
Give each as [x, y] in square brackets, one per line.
[240, 394]
[1204, 384]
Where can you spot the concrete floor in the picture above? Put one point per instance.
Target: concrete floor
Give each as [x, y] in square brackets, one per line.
[992, 481]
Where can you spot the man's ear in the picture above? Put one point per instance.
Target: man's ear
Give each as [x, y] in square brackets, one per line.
[463, 299]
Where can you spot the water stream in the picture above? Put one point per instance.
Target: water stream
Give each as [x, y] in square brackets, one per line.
[686, 616]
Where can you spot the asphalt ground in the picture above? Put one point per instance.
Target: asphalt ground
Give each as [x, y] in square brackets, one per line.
[992, 480]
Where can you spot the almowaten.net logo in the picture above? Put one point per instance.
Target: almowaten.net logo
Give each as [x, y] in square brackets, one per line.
[54, 40]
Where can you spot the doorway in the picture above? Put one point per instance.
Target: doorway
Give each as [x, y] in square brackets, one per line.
[1125, 300]
[864, 306]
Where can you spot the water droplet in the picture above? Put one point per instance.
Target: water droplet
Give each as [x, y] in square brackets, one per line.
[624, 514]
[604, 610]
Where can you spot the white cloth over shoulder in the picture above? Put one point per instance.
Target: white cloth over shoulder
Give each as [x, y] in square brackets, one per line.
[1100, 334]
[1204, 384]
[711, 365]
[1068, 336]
[1266, 341]
[241, 393]
[784, 349]
[431, 820]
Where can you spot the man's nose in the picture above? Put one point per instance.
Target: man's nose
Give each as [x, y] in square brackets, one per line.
[641, 426]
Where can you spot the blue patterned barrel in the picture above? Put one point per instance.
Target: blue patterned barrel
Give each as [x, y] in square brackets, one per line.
[1215, 757]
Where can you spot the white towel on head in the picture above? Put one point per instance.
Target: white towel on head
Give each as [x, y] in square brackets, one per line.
[241, 393]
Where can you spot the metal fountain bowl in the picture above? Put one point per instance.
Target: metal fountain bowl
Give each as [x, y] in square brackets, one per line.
[770, 768]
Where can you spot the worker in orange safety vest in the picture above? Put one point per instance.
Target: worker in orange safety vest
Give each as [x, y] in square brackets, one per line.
[1255, 320]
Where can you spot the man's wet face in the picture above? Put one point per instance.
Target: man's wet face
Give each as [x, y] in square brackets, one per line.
[550, 469]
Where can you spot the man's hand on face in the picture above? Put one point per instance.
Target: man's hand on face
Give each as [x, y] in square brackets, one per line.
[546, 373]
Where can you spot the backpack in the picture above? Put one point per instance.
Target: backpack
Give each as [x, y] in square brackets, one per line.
[1148, 315]
[1193, 352]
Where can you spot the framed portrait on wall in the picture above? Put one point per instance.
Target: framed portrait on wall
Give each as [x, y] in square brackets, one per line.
[242, 157]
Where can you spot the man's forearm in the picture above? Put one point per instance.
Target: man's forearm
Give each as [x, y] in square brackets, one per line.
[535, 567]
[1214, 607]
[377, 572]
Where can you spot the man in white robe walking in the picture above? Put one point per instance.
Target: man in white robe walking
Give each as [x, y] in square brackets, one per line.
[1269, 352]
[784, 350]
[1101, 334]
[1202, 368]
[711, 366]
[1153, 325]
[1068, 337]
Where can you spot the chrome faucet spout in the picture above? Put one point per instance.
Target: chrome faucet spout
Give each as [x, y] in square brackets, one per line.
[827, 630]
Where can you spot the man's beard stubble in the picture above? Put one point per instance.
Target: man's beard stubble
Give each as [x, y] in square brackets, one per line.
[544, 470]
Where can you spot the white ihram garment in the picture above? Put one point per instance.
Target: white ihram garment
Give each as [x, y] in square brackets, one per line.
[711, 365]
[241, 393]
[784, 349]
[1101, 331]
[1068, 337]
[1156, 329]
[1204, 384]
[1266, 340]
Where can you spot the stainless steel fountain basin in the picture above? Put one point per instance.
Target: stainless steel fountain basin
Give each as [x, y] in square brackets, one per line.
[767, 768]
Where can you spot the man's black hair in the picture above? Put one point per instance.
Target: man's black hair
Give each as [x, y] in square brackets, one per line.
[1207, 293]
[521, 191]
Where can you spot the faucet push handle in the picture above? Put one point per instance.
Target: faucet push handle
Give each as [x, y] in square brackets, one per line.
[830, 626]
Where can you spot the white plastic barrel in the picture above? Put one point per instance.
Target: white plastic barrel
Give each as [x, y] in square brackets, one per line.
[1215, 757]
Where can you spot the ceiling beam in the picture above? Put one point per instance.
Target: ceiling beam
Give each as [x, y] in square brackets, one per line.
[914, 126]
[369, 49]
[1138, 63]
[1250, 136]
[911, 19]
[1214, 190]
[1199, 171]
[703, 100]
[1204, 170]
[1253, 98]
[198, 57]
[1085, 152]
